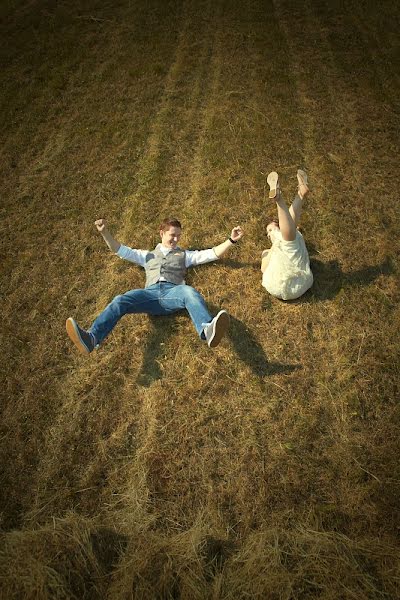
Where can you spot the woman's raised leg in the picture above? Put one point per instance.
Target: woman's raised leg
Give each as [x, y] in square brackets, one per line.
[297, 204]
[287, 225]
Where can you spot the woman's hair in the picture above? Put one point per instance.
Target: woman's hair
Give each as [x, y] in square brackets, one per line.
[273, 220]
[170, 222]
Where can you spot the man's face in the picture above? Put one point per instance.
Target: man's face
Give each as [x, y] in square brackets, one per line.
[170, 237]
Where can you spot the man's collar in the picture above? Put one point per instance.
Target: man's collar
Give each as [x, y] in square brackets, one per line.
[162, 247]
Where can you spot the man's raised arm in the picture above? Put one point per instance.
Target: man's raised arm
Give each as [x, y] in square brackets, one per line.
[236, 234]
[112, 243]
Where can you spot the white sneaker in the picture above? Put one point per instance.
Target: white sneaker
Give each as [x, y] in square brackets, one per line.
[216, 330]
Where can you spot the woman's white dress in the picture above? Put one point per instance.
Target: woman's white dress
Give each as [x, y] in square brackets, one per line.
[288, 274]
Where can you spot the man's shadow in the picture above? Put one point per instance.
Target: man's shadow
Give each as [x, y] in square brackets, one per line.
[244, 342]
[329, 280]
[252, 353]
[153, 349]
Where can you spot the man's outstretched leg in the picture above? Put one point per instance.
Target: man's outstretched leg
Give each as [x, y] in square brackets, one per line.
[210, 329]
[83, 340]
[132, 302]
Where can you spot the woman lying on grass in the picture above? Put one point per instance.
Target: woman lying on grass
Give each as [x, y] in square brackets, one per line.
[286, 265]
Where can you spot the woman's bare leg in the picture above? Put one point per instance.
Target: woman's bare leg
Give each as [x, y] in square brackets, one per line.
[296, 208]
[287, 224]
[297, 204]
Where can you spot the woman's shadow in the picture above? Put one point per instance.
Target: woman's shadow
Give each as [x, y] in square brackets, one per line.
[329, 279]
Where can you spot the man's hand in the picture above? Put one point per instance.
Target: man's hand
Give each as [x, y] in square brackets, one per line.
[237, 233]
[100, 225]
[108, 238]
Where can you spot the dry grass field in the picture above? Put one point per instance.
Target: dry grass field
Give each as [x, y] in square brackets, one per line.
[156, 468]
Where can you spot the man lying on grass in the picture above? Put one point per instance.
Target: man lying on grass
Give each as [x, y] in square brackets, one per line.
[165, 291]
[286, 265]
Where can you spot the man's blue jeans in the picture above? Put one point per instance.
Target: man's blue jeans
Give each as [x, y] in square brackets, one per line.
[162, 298]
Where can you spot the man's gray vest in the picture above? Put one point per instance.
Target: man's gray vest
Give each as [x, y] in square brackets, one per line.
[171, 267]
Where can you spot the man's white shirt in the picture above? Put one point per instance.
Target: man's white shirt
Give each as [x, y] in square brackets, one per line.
[192, 257]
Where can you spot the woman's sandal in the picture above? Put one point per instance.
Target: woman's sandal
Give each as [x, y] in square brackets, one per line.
[303, 181]
[272, 181]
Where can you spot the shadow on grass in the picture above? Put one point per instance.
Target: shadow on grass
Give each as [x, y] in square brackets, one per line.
[244, 342]
[252, 353]
[329, 279]
[161, 328]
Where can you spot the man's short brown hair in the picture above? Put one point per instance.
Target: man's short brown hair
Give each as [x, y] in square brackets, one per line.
[170, 222]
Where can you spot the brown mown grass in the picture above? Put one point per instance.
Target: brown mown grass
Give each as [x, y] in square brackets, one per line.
[155, 468]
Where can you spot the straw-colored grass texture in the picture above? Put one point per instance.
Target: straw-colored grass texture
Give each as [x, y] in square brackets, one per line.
[156, 467]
